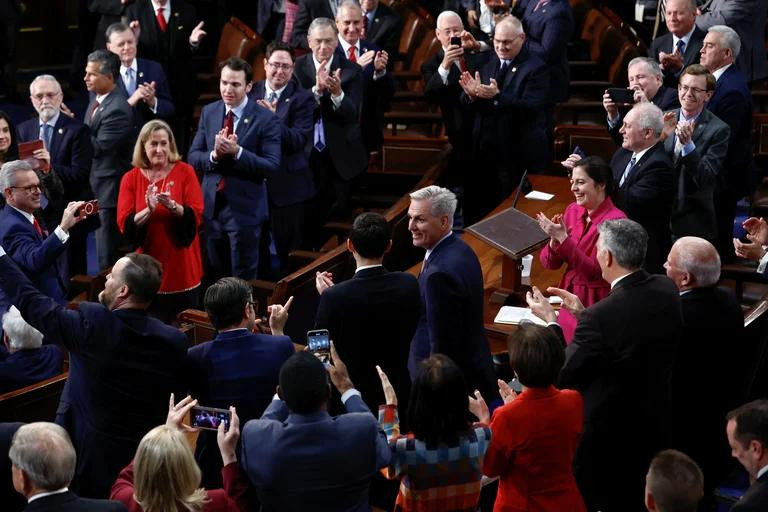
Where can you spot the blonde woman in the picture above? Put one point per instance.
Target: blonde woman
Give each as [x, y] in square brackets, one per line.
[164, 477]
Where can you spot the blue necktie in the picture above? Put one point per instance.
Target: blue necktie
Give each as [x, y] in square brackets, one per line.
[681, 46]
[130, 83]
[272, 97]
[319, 135]
[45, 135]
[628, 170]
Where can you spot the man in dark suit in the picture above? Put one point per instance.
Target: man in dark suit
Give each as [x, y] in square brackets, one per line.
[451, 287]
[68, 154]
[337, 456]
[11, 500]
[110, 119]
[43, 465]
[122, 364]
[680, 47]
[508, 97]
[697, 142]
[237, 368]
[710, 315]
[26, 361]
[620, 360]
[378, 85]
[338, 154]
[643, 173]
[732, 104]
[381, 26]
[236, 147]
[747, 432]
[310, 10]
[747, 18]
[646, 79]
[374, 296]
[292, 187]
[142, 81]
[108, 12]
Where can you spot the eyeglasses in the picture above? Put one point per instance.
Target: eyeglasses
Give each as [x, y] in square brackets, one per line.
[279, 65]
[30, 189]
[507, 42]
[686, 88]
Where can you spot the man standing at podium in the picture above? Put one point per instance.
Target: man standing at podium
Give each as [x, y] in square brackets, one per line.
[451, 287]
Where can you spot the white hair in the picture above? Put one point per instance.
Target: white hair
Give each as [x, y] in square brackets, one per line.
[699, 258]
[444, 16]
[731, 39]
[442, 200]
[649, 116]
[20, 334]
[651, 64]
[9, 170]
[39, 78]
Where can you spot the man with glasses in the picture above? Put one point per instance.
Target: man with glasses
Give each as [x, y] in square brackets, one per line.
[291, 187]
[26, 239]
[67, 154]
[697, 142]
[508, 96]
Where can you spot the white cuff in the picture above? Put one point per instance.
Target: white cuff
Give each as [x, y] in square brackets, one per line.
[349, 393]
[337, 100]
[62, 235]
[2, 251]
[763, 263]
[443, 73]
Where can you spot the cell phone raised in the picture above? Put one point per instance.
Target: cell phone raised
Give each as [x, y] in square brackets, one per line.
[456, 41]
[209, 418]
[88, 208]
[319, 343]
[622, 96]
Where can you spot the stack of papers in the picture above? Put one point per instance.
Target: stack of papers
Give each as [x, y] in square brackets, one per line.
[514, 315]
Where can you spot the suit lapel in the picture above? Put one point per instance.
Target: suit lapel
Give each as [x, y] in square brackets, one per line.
[57, 136]
[247, 119]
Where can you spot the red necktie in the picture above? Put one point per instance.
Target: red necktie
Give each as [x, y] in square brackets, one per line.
[95, 108]
[37, 227]
[462, 64]
[351, 52]
[161, 20]
[229, 124]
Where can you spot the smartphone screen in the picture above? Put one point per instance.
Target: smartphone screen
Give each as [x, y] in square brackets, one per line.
[209, 418]
[456, 41]
[319, 342]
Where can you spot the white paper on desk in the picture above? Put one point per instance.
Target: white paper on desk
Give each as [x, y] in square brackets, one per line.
[542, 196]
[514, 315]
[527, 262]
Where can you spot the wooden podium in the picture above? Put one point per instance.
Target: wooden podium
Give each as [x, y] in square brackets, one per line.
[515, 234]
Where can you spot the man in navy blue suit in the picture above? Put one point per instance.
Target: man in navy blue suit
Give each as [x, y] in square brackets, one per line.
[143, 81]
[291, 187]
[296, 454]
[122, 364]
[451, 286]
[508, 97]
[679, 47]
[238, 368]
[732, 104]
[68, 153]
[236, 148]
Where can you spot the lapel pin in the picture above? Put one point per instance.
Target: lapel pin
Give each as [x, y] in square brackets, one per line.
[181, 27]
[245, 120]
[514, 70]
[61, 131]
[287, 100]
[176, 14]
[375, 20]
[141, 74]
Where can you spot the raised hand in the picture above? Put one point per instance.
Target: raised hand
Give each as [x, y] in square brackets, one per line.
[386, 386]
[571, 302]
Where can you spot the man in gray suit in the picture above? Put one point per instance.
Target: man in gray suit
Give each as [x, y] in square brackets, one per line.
[110, 119]
[747, 18]
[697, 142]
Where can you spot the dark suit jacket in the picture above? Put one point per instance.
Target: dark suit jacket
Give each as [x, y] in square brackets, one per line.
[665, 99]
[348, 309]
[451, 320]
[342, 126]
[308, 11]
[512, 124]
[123, 367]
[12, 501]
[696, 176]
[690, 56]
[385, 30]
[620, 360]
[756, 497]
[112, 139]
[237, 368]
[148, 71]
[547, 32]
[646, 197]
[39, 258]
[258, 134]
[732, 104]
[747, 18]
[71, 502]
[29, 366]
[296, 459]
[295, 108]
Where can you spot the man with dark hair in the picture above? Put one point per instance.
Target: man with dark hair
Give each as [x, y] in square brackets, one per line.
[292, 186]
[236, 148]
[620, 360]
[374, 296]
[297, 454]
[674, 483]
[747, 432]
[122, 364]
[110, 119]
[237, 368]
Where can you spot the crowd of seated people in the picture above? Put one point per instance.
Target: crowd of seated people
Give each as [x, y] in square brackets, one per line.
[609, 385]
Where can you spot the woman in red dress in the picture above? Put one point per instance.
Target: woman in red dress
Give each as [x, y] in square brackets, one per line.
[159, 209]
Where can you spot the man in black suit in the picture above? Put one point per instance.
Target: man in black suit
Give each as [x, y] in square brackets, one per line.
[710, 315]
[381, 25]
[374, 296]
[43, 461]
[69, 155]
[508, 96]
[646, 80]
[310, 10]
[620, 360]
[747, 432]
[338, 154]
[292, 187]
[679, 47]
[122, 364]
[110, 119]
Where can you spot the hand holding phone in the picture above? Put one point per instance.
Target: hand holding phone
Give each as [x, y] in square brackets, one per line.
[622, 96]
[209, 418]
[319, 343]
